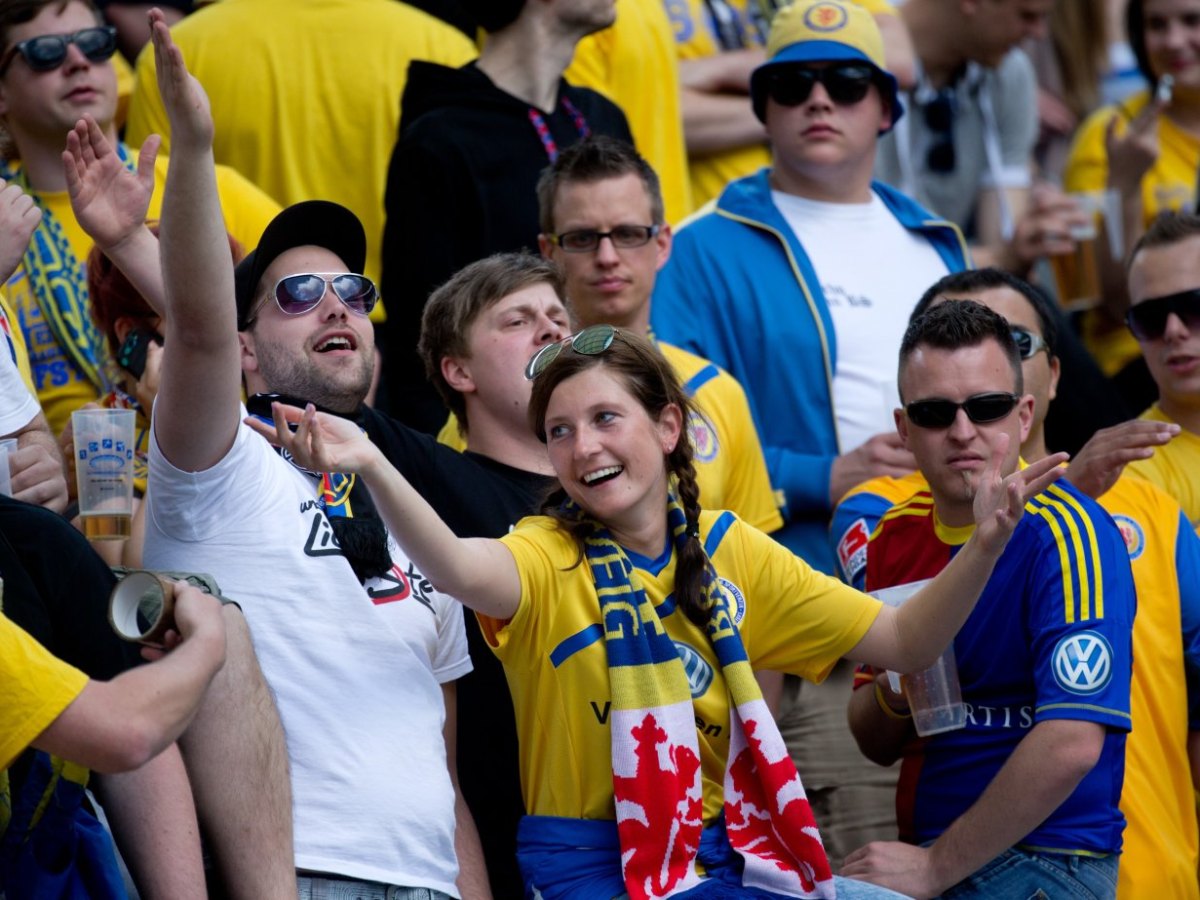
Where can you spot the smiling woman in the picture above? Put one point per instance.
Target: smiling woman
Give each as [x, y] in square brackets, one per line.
[629, 620]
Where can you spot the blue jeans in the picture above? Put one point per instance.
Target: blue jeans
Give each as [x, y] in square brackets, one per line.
[1025, 875]
[314, 887]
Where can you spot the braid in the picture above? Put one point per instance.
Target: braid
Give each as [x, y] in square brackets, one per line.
[692, 566]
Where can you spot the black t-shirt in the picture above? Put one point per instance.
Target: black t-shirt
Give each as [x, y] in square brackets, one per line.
[476, 497]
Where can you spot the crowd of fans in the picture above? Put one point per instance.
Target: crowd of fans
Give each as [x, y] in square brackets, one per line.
[698, 323]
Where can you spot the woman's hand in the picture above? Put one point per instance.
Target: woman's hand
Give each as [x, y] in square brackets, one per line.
[1135, 150]
[320, 442]
[1000, 502]
[108, 200]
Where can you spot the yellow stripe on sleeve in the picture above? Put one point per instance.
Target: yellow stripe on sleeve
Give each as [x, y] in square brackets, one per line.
[1097, 581]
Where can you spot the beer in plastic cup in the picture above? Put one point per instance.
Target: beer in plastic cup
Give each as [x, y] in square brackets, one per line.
[7, 446]
[1077, 274]
[104, 471]
[934, 694]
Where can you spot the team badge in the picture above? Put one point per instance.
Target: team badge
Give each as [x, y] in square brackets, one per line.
[1083, 662]
[1135, 537]
[826, 17]
[704, 438]
[852, 550]
[737, 602]
[699, 672]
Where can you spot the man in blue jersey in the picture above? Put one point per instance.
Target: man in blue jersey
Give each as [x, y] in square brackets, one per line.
[1024, 797]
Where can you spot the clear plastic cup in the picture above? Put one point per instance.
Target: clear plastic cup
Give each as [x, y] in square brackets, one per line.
[104, 471]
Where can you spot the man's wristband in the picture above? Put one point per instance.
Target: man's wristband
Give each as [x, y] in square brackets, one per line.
[887, 707]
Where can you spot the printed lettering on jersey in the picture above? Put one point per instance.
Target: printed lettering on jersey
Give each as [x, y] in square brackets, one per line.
[1135, 537]
[704, 438]
[737, 600]
[1083, 662]
[321, 539]
[388, 588]
[696, 667]
[852, 549]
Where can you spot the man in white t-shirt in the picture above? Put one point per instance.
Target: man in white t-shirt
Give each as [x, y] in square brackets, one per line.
[798, 282]
[359, 648]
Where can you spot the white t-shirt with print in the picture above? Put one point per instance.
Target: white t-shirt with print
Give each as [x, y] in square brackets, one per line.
[357, 673]
[872, 271]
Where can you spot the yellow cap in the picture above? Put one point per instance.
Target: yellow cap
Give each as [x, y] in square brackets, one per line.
[835, 29]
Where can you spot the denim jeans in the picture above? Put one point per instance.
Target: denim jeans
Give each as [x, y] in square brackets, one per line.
[315, 887]
[1026, 875]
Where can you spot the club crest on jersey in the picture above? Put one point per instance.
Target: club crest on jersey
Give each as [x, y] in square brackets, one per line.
[737, 600]
[704, 438]
[699, 672]
[1135, 537]
[852, 549]
[1083, 662]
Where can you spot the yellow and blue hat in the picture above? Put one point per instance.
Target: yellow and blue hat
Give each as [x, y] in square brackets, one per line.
[824, 31]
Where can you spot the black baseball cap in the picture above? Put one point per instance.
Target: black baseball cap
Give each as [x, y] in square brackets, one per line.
[319, 223]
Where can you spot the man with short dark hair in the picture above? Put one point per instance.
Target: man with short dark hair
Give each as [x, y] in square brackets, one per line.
[1164, 316]
[1044, 660]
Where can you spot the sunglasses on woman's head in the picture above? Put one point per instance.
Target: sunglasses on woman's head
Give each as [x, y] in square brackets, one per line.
[47, 52]
[303, 292]
[845, 83]
[1148, 319]
[591, 341]
[980, 409]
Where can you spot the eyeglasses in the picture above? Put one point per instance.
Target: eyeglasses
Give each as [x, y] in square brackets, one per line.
[298, 294]
[1148, 319]
[47, 52]
[846, 84]
[591, 341]
[1029, 344]
[980, 409]
[939, 119]
[623, 237]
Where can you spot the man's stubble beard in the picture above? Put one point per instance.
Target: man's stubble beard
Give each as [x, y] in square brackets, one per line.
[285, 374]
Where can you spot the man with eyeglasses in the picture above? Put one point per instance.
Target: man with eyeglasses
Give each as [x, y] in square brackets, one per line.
[603, 223]
[55, 67]
[1024, 798]
[1160, 842]
[965, 150]
[1164, 316]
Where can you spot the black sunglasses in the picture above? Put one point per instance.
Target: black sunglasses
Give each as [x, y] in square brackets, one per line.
[298, 294]
[1028, 343]
[48, 51]
[591, 341]
[980, 409]
[845, 83]
[1148, 319]
[939, 119]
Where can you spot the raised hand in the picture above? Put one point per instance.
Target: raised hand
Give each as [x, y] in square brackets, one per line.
[1000, 502]
[19, 217]
[183, 98]
[109, 201]
[1132, 153]
[320, 442]
[1099, 463]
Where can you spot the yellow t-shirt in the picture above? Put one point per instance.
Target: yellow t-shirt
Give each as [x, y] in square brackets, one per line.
[306, 96]
[1170, 184]
[35, 687]
[61, 387]
[730, 469]
[633, 64]
[791, 619]
[695, 40]
[1175, 467]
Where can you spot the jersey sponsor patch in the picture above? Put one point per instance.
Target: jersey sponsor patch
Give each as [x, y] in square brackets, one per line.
[704, 438]
[1083, 662]
[1135, 537]
[737, 601]
[852, 549]
[699, 672]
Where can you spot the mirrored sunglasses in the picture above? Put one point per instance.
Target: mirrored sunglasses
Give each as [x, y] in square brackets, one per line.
[1148, 319]
[48, 51]
[845, 84]
[591, 341]
[300, 293]
[980, 409]
[623, 237]
[1028, 343]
